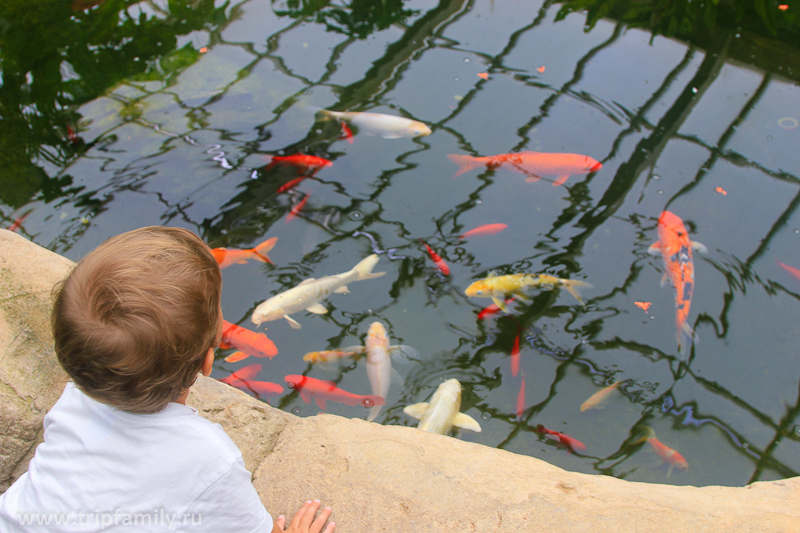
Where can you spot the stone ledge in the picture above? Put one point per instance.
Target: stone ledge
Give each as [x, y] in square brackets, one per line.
[376, 478]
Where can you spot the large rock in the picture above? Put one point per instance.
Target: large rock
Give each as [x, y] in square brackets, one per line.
[376, 478]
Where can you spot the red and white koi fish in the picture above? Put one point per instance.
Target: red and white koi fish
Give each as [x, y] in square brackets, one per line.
[226, 257]
[521, 398]
[598, 397]
[440, 263]
[791, 270]
[303, 163]
[249, 342]
[676, 251]
[571, 443]
[296, 208]
[243, 374]
[486, 229]
[323, 391]
[667, 454]
[533, 164]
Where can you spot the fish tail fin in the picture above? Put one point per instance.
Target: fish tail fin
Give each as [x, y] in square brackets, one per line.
[261, 250]
[648, 434]
[326, 114]
[572, 286]
[377, 405]
[686, 336]
[464, 162]
[364, 268]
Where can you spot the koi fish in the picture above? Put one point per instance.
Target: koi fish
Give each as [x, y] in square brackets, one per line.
[791, 270]
[442, 413]
[598, 397]
[243, 374]
[308, 294]
[676, 251]
[327, 356]
[533, 164]
[492, 309]
[521, 398]
[515, 356]
[570, 442]
[235, 357]
[290, 184]
[249, 342]
[440, 264]
[386, 126]
[303, 163]
[499, 287]
[347, 133]
[379, 363]
[259, 388]
[323, 391]
[486, 229]
[296, 208]
[18, 222]
[226, 257]
[667, 454]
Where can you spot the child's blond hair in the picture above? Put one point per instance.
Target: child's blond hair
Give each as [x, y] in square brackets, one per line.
[134, 320]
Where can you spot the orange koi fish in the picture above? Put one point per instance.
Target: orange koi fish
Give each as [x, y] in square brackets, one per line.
[486, 229]
[791, 270]
[243, 374]
[493, 309]
[566, 440]
[290, 185]
[667, 454]
[676, 251]
[597, 398]
[533, 164]
[521, 398]
[296, 208]
[322, 391]
[644, 306]
[259, 388]
[249, 342]
[515, 356]
[228, 256]
[18, 222]
[303, 163]
[440, 264]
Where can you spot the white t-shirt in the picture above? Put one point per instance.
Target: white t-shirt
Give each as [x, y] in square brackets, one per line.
[102, 469]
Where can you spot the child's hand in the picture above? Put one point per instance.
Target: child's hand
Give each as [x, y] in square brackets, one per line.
[302, 521]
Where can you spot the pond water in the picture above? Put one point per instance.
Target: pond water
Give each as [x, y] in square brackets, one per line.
[128, 114]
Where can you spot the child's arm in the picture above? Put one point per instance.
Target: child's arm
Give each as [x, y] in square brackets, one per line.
[302, 521]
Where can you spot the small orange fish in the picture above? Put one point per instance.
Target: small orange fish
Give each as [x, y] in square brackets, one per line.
[484, 75]
[249, 342]
[493, 309]
[290, 185]
[533, 164]
[296, 208]
[667, 454]
[791, 270]
[228, 256]
[18, 222]
[540, 69]
[676, 251]
[243, 374]
[304, 163]
[486, 229]
[597, 398]
[322, 391]
[440, 264]
[722, 191]
[515, 356]
[783, 7]
[521, 398]
[566, 440]
[644, 306]
[203, 50]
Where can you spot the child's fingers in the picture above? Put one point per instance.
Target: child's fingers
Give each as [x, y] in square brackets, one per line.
[305, 515]
[320, 521]
[281, 522]
[330, 528]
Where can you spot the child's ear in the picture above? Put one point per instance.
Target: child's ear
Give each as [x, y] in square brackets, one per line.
[208, 363]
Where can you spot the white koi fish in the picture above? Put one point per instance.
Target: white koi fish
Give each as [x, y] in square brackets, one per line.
[386, 126]
[379, 363]
[442, 413]
[308, 294]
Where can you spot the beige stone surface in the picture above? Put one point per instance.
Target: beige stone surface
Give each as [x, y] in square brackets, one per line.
[376, 478]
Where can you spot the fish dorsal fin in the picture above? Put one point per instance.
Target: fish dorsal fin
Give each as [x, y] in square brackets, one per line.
[342, 290]
[305, 282]
[464, 421]
[317, 308]
[416, 411]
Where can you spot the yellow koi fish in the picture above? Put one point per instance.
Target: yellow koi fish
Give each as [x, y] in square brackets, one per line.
[498, 288]
[598, 397]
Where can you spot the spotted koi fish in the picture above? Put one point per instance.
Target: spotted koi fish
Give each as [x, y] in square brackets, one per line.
[676, 251]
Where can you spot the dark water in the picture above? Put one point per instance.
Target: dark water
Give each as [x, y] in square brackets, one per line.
[131, 114]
